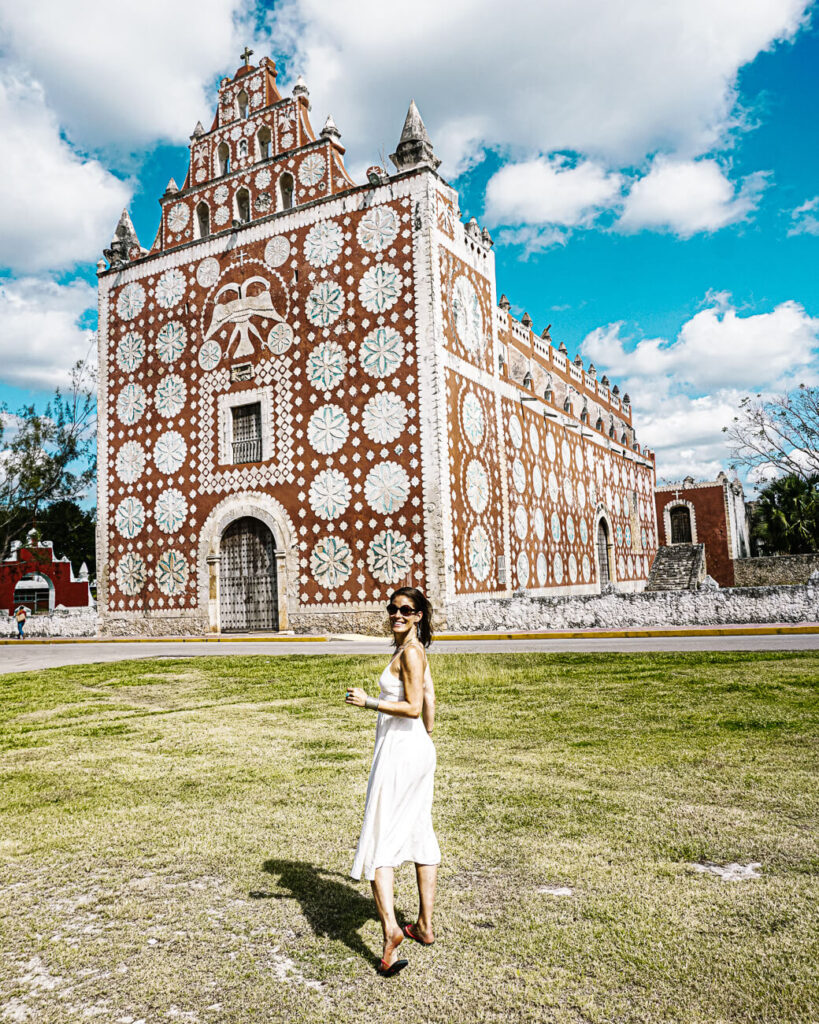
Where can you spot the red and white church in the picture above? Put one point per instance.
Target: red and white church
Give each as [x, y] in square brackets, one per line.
[311, 393]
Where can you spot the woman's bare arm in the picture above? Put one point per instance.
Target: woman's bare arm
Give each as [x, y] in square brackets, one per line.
[429, 701]
[411, 672]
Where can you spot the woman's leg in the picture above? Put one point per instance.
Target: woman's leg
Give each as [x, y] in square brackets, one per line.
[384, 902]
[427, 876]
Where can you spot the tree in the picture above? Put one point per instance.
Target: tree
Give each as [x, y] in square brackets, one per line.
[776, 437]
[47, 457]
[785, 518]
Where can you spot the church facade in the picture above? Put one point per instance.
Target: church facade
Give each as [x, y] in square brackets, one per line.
[310, 394]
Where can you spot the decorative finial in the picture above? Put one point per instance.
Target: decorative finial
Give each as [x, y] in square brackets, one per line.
[562, 348]
[300, 88]
[171, 187]
[247, 55]
[414, 148]
[545, 333]
[198, 130]
[330, 129]
[124, 244]
[527, 321]
[504, 304]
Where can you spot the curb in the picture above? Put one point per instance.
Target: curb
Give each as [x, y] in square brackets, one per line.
[167, 640]
[624, 634]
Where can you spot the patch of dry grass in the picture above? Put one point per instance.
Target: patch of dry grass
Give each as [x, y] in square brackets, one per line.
[175, 839]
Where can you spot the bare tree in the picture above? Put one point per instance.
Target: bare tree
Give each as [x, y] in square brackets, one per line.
[49, 456]
[778, 436]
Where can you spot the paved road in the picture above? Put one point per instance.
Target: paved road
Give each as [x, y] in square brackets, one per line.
[28, 657]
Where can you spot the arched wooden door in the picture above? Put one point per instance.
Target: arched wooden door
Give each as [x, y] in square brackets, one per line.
[680, 525]
[247, 578]
[603, 553]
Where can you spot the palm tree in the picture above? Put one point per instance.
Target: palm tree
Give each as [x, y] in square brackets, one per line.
[785, 519]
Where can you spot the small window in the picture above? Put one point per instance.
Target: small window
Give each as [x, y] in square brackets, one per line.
[223, 159]
[286, 186]
[247, 433]
[567, 406]
[584, 416]
[243, 103]
[599, 424]
[243, 147]
[243, 205]
[202, 220]
[264, 140]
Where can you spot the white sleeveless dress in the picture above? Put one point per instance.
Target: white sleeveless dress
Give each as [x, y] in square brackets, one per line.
[398, 810]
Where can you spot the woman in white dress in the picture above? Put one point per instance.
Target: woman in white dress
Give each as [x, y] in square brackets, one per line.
[398, 811]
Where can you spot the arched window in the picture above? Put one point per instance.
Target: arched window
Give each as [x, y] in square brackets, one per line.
[243, 147]
[223, 159]
[584, 416]
[680, 525]
[202, 220]
[611, 429]
[243, 205]
[243, 103]
[599, 424]
[603, 552]
[264, 140]
[567, 405]
[286, 187]
[35, 591]
[624, 438]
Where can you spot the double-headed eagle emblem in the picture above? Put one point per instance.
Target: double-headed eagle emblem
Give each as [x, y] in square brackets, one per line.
[241, 311]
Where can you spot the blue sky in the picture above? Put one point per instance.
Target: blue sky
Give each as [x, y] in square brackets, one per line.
[650, 172]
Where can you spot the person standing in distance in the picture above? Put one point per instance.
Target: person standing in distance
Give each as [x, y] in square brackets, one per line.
[398, 810]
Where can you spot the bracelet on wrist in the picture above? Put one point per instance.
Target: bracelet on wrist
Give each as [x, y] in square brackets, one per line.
[371, 703]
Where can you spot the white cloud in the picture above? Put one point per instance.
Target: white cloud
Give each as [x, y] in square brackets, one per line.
[42, 335]
[678, 388]
[689, 196]
[765, 350]
[805, 218]
[126, 73]
[550, 192]
[56, 208]
[532, 78]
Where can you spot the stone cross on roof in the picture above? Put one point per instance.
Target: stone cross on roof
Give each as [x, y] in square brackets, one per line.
[247, 55]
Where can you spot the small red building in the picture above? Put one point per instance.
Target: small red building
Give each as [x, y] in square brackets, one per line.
[711, 512]
[33, 577]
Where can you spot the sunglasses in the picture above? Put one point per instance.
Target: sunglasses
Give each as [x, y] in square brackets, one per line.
[405, 609]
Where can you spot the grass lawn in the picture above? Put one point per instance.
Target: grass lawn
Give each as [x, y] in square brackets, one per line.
[176, 836]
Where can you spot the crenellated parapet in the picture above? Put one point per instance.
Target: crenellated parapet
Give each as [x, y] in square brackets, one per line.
[532, 361]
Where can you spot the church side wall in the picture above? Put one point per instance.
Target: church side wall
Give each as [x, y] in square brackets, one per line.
[527, 484]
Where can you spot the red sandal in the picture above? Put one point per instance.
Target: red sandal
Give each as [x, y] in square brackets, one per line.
[387, 971]
[410, 934]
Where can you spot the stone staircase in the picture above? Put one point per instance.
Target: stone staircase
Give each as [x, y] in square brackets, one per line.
[678, 567]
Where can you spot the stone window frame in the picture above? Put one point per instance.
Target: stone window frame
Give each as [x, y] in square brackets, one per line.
[232, 400]
[677, 503]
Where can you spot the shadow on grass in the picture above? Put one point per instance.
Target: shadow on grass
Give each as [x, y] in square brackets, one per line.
[332, 909]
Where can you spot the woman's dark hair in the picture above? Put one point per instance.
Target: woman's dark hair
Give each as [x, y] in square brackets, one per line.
[424, 627]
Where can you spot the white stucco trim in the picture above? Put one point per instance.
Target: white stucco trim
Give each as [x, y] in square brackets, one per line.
[677, 503]
[234, 400]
